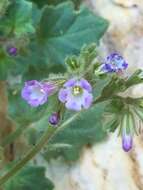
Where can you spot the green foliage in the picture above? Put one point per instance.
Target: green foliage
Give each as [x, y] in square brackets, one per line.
[68, 29]
[41, 3]
[30, 178]
[45, 51]
[79, 64]
[135, 78]
[17, 20]
[61, 36]
[115, 86]
[113, 113]
[139, 112]
[87, 129]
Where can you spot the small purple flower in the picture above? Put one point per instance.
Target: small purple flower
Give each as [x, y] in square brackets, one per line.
[36, 93]
[12, 51]
[127, 142]
[54, 118]
[114, 63]
[76, 94]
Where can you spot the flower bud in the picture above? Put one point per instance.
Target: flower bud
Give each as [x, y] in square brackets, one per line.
[12, 51]
[72, 63]
[127, 131]
[127, 142]
[54, 118]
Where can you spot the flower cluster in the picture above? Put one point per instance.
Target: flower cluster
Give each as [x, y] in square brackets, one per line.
[75, 92]
[114, 63]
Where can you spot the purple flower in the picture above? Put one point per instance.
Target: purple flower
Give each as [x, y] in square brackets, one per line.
[114, 63]
[36, 93]
[12, 51]
[76, 94]
[127, 141]
[54, 118]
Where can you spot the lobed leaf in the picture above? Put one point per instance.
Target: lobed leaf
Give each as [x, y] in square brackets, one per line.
[29, 178]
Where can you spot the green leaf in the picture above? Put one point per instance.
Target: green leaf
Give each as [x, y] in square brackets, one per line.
[135, 78]
[115, 105]
[61, 36]
[41, 3]
[30, 178]
[87, 129]
[68, 30]
[18, 19]
[139, 112]
[100, 84]
[110, 121]
[115, 86]
[113, 113]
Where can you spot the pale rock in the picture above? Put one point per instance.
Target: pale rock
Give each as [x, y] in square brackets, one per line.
[104, 166]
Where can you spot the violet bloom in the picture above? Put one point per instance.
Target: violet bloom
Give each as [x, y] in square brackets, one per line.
[36, 93]
[127, 141]
[114, 63]
[76, 94]
[12, 51]
[54, 118]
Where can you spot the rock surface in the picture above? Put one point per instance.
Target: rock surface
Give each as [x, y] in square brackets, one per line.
[102, 167]
[105, 166]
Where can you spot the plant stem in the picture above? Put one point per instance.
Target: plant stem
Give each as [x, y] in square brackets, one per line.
[47, 136]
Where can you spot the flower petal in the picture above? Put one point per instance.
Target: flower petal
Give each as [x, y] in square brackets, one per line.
[73, 105]
[63, 94]
[85, 84]
[107, 68]
[70, 83]
[88, 99]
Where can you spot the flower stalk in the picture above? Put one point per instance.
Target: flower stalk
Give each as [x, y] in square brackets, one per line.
[47, 136]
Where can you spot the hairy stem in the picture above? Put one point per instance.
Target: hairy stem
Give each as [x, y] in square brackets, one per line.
[47, 136]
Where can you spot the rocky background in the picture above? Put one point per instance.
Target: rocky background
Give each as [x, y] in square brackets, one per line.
[106, 166]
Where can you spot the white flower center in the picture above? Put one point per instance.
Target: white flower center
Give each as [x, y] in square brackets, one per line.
[77, 90]
[37, 93]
